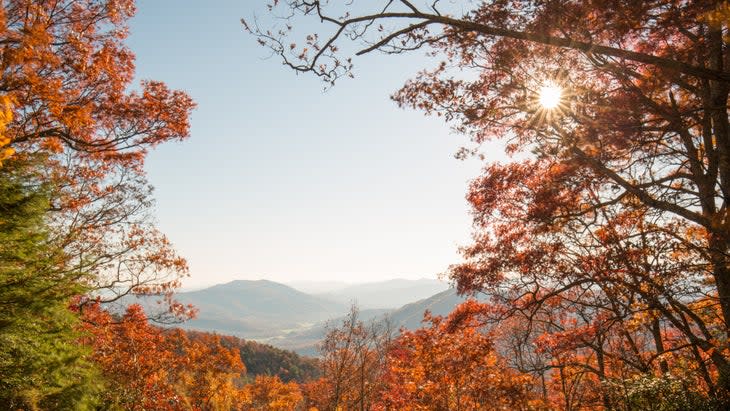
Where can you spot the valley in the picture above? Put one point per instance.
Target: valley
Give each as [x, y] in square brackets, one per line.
[287, 318]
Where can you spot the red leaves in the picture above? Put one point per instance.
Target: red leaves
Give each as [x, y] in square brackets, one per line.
[466, 315]
[615, 203]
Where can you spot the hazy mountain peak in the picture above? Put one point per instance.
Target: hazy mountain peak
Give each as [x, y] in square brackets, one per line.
[269, 311]
[246, 283]
[391, 293]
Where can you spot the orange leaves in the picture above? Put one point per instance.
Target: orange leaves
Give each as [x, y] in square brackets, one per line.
[133, 357]
[443, 366]
[68, 69]
[466, 315]
[206, 371]
[120, 10]
[269, 393]
[6, 116]
[616, 208]
[52, 145]
[68, 76]
[150, 368]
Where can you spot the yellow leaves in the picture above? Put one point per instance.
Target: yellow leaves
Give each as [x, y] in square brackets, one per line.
[6, 116]
[695, 233]
[6, 153]
[719, 17]
[639, 319]
[270, 393]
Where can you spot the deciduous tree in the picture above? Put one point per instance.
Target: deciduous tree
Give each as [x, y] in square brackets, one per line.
[135, 359]
[352, 362]
[452, 365]
[269, 393]
[636, 153]
[207, 374]
[147, 367]
[67, 81]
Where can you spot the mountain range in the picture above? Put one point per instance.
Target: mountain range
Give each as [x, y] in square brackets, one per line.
[256, 309]
[285, 317]
[409, 316]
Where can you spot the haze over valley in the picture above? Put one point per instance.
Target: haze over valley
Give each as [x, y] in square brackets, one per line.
[285, 317]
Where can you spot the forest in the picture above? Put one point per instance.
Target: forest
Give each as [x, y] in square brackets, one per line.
[600, 249]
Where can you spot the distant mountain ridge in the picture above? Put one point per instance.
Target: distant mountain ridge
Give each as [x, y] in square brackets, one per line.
[261, 297]
[256, 309]
[277, 314]
[409, 316]
[389, 294]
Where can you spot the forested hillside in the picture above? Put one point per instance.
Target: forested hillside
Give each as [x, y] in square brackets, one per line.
[263, 359]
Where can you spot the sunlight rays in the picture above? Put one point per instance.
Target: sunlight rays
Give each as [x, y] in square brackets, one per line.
[550, 95]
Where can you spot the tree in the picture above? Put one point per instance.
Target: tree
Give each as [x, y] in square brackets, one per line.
[147, 367]
[207, 373]
[269, 393]
[264, 359]
[624, 279]
[640, 139]
[41, 364]
[75, 217]
[352, 358]
[66, 78]
[662, 394]
[452, 365]
[135, 359]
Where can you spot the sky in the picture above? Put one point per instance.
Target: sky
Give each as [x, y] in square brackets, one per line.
[283, 181]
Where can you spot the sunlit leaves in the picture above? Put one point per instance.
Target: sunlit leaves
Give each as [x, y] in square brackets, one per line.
[269, 393]
[608, 228]
[452, 365]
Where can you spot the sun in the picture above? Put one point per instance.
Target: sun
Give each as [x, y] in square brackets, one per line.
[550, 95]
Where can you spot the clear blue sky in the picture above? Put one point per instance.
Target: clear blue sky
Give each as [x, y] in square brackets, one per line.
[280, 180]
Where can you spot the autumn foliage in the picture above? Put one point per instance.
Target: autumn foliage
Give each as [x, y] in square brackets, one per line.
[74, 132]
[270, 393]
[452, 365]
[134, 358]
[68, 96]
[146, 367]
[602, 241]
